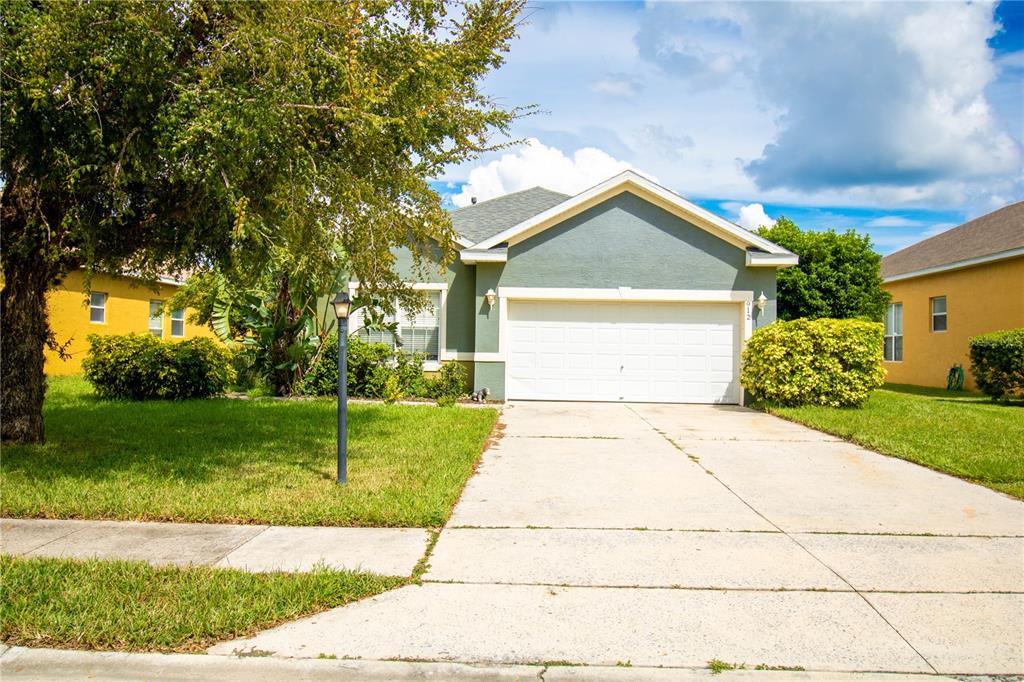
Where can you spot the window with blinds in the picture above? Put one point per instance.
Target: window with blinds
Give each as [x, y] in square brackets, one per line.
[420, 333]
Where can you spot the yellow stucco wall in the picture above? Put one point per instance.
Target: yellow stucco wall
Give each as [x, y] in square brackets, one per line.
[980, 299]
[127, 310]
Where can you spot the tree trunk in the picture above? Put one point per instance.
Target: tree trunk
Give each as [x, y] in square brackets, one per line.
[284, 378]
[23, 334]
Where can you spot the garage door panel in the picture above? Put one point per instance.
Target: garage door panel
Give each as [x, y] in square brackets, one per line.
[563, 350]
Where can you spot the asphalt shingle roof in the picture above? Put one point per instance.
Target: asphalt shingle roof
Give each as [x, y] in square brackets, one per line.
[995, 232]
[477, 222]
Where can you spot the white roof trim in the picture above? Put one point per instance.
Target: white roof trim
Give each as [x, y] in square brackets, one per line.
[956, 265]
[620, 183]
[474, 256]
[757, 259]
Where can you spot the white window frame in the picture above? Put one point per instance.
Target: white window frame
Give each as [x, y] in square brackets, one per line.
[149, 323]
[178, 316]
[932, 314]
[102, 307]
[890, 333]
[356, 321]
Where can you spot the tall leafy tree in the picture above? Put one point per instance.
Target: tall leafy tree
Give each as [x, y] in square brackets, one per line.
[838, 275]
[170, 135]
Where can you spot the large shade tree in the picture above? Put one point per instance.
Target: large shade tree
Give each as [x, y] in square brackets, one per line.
[167, 135]
[838, 274]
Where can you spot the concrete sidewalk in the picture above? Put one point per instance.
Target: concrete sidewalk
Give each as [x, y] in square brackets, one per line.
[387, 551]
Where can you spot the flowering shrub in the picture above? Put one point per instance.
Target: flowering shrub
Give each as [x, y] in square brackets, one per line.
[814, 362]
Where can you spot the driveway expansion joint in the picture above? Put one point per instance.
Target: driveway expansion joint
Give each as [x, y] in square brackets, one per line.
[790, 536]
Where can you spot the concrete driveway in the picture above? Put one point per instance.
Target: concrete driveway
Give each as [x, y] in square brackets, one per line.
[671, 535]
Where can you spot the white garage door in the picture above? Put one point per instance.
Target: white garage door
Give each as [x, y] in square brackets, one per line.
[611, 351]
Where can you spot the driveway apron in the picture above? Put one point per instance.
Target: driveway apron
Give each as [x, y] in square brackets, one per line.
[672, 535]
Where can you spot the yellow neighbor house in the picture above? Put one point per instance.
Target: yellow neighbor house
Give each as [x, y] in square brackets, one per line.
[946, 289]
[116, 305]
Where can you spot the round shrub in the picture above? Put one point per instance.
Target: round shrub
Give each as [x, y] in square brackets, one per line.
[814, 362]
[997, 363]
[142, 367]
[449, 384]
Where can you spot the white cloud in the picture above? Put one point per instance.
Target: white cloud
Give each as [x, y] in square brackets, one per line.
[535, 164]
[907, 112]
[753, 216]
[892, 221]
[882, 105]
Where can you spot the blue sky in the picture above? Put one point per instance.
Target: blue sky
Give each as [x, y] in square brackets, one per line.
[896, 119]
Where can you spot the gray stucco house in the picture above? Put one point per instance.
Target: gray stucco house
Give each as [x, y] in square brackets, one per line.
[624, 292]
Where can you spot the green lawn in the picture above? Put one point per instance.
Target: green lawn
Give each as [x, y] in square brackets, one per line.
[241, 461]
[964, 434]
[130, 605]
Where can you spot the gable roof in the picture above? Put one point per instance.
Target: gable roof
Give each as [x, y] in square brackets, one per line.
[760, 251]
[477, 222]
[994, 236]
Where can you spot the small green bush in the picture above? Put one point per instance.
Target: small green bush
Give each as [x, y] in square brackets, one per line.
[997, 363]
[814, 362]
[449, 385]
[142, 367]
[374, 370]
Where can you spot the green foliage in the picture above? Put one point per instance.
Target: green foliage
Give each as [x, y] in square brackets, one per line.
[449, 385]
[399, 376]
[374, 370]
[838, 274]
[241, 461]
[159, 136]
[814, 362]
[130, 605]
[997, 363]
[142, 367]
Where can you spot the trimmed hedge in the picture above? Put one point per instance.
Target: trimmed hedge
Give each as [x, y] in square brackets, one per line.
[997, 363]
[142, 367]
[814, 362]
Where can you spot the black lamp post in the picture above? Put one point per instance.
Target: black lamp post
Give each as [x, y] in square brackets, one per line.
[342, 305]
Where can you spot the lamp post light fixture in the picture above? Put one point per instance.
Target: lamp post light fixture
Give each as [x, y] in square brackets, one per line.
[342, 306]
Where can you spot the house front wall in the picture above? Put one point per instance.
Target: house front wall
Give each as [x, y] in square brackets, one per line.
[979, 299]
[127, 310]
[623, 242]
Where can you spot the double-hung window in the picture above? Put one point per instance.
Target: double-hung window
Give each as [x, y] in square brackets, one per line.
[156, 319]
[178, 323]
[98, 307]
[940, 320]
[418, 333]
[894, 333]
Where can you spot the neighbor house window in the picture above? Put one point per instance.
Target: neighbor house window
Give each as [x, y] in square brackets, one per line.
[156, 319]
[98, 307]
[178, 323]
[894, 333]
[939, 319]
[419, 333]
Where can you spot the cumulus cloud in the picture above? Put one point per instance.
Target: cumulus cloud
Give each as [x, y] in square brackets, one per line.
[879, 104]
[536, 164]
[907, 107]
[753, 216]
